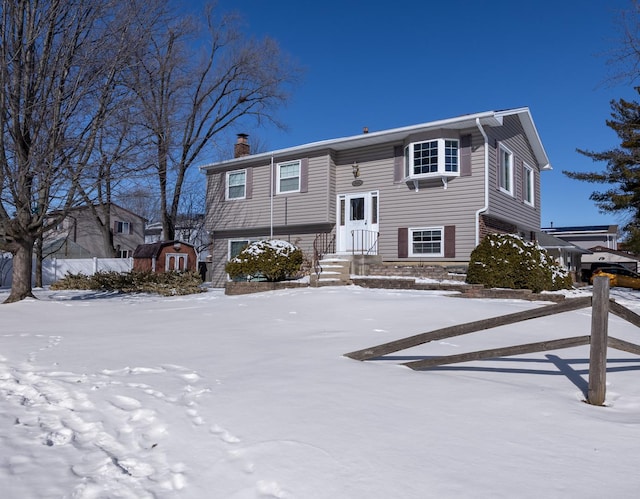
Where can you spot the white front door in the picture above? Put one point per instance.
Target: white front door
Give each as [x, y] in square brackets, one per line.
[358, 222]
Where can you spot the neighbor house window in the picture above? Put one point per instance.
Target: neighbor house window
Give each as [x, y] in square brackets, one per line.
[427, 241]
[236, 184]
[288, 177]
[123, 227]
[529, 192]
[505, 170]
[432, 158]
[124, 253]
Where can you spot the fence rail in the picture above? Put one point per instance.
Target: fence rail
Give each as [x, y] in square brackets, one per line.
[599, 339]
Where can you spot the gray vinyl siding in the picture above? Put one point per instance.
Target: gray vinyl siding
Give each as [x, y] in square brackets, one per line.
[401, 206]
[294, 208]
[501, 204]
[297, 216]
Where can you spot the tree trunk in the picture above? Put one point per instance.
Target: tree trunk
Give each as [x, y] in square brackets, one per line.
[39, 257]
[22, 266]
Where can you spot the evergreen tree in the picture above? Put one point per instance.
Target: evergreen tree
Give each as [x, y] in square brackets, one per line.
[622, 173]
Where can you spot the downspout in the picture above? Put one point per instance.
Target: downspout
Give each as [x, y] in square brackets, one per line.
[271, 201]
[486, 180]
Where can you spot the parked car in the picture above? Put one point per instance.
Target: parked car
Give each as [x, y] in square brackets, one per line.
[618, 277]
[585, 275]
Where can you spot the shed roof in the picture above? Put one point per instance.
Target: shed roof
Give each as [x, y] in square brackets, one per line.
[152, 250]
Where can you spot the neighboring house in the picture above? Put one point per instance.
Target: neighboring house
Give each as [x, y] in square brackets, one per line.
[601, 241]
[422, 194]
[165, 256]
[79, 234]
[599, 254]
[566, 254]
[189, 229]
[587, 236]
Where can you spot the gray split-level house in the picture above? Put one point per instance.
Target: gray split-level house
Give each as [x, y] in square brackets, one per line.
[418, 195]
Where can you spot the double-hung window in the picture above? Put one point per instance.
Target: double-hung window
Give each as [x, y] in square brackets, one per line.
[236, 184]
[123, 227]
[505, 170]
[529, 185]
[428, 241]
[288, 177]
[438, 157]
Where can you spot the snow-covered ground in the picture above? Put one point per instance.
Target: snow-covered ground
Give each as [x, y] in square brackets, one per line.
[212, 396]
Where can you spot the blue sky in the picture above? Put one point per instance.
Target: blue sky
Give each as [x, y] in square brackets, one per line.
[385, 65]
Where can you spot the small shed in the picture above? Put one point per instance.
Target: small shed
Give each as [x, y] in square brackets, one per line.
[165, 256]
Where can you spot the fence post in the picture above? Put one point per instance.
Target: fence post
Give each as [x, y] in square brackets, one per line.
[598, 351]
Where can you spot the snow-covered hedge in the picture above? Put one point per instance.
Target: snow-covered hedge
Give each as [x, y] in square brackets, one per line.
[271, 259]
[165, 283]
[508, 261]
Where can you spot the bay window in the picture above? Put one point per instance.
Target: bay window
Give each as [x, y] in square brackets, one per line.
[437, 157]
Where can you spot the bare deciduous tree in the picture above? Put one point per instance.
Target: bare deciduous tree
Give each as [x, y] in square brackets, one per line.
[59, 67]
[191, 88]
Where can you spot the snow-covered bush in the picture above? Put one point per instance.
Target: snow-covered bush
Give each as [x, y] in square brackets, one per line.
[271, 259]
[508, 261]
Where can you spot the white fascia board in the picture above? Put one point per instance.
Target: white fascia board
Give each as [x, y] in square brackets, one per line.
[532, 133]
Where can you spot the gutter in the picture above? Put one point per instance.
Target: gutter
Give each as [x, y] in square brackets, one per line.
[486, 180]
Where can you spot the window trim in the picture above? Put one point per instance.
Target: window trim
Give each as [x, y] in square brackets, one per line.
[503, 150]
[279, 179]
[412, 230]
[228, 185]
[441, 155]
[528, 177]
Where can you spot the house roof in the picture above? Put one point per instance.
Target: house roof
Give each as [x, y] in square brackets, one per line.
[86, 207]
[551, 242]
[152, 250]
[582, 229]
[604, 249]
[488, 118]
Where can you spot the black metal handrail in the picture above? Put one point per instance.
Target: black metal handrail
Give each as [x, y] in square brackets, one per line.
[324, 243]
[364, 242]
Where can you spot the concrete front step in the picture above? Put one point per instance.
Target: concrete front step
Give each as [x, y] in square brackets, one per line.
[334, 271]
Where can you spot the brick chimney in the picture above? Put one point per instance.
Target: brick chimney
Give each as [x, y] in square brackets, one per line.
[241, 148]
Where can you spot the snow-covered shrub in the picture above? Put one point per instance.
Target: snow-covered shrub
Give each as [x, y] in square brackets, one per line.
[508, 261]
[271, 259]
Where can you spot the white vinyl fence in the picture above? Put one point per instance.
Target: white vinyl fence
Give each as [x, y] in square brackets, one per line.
[56, 268]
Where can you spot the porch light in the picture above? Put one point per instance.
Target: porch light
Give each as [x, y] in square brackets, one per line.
[355, 168]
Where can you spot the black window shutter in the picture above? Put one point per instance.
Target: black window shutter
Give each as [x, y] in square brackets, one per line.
[498, 164]
[403, 242]
[465, 155]
[248, 188]
[518, 180]
[304, 175]
[398, 164]
[450, 241]
[274, 180]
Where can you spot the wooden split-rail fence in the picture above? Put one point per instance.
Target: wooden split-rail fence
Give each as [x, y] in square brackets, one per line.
[598, 340]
